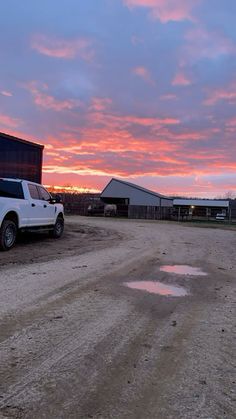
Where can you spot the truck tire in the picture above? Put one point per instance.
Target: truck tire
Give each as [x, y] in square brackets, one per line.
[8, 233]
[58, 228]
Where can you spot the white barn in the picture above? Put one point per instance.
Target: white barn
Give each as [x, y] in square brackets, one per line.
[122, 192]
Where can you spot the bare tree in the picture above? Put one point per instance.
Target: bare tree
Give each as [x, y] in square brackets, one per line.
[230, 195]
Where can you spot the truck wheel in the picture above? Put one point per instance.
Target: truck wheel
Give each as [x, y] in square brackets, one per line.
[58, 228]
[8, 233]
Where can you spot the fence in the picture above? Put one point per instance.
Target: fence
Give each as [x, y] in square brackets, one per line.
[80, 207]
[180, 214]
[76, 208]
[149, 212]
[77, 204]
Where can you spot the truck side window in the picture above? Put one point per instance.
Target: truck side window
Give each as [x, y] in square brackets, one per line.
[43, 194]
[33, 191]
[9, 189]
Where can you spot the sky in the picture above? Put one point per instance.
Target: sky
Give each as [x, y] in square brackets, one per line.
[140, 90]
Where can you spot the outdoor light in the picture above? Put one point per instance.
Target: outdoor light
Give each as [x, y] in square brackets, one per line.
[192, 206]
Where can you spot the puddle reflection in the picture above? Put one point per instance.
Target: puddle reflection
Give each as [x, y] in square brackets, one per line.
[182, 270]
[156, 287]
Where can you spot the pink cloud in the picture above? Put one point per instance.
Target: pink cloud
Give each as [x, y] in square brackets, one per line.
[231, 125]
[201, 43]
[227, 94]
[9, 122]
[100, 142]
[118, 122]
[49, 102]
[144, 73]
[108, 147]
[231, 122]
[210, 43]
[61, 48]
[144, 121]
[181, 79]
[166, 10]
[6, 93]
[168, 162]
[46, 101]
[100, 104]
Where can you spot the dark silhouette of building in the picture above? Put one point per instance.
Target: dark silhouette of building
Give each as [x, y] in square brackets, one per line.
[20, 159]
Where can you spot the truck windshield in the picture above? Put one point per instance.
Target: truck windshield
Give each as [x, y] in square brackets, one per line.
[11, 189]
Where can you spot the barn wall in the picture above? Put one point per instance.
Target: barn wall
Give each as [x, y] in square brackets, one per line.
[19, 159]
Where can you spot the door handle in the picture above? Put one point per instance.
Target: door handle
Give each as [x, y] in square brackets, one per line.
[45, 206]
[32, 205]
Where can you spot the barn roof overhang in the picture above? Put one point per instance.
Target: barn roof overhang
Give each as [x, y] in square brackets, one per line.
[20, 140]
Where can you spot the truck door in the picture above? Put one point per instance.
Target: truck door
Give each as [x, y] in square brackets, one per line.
[41, 211]
[48, 207]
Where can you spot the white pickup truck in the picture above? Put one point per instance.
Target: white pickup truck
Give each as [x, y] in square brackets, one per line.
[25, 206]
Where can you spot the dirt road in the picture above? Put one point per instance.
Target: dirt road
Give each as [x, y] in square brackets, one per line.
[77, 342]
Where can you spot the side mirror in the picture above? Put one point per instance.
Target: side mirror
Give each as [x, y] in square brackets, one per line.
[58, 199]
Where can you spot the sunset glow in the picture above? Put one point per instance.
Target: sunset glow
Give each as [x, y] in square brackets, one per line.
[142, 90]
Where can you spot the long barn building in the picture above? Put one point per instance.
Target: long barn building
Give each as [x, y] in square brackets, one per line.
[136, 202]
[20, 158]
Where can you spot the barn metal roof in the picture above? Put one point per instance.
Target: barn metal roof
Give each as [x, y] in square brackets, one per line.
[202, 202]
[132, 185]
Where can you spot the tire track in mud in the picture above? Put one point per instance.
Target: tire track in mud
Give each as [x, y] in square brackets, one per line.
[142, 373]
[224, 396]
[212, 364]
[76, 240]
[80, 343]
[66, 294]
[121, 355]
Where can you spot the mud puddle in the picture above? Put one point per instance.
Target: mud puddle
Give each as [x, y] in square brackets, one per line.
[183, 270]
[159, 288]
